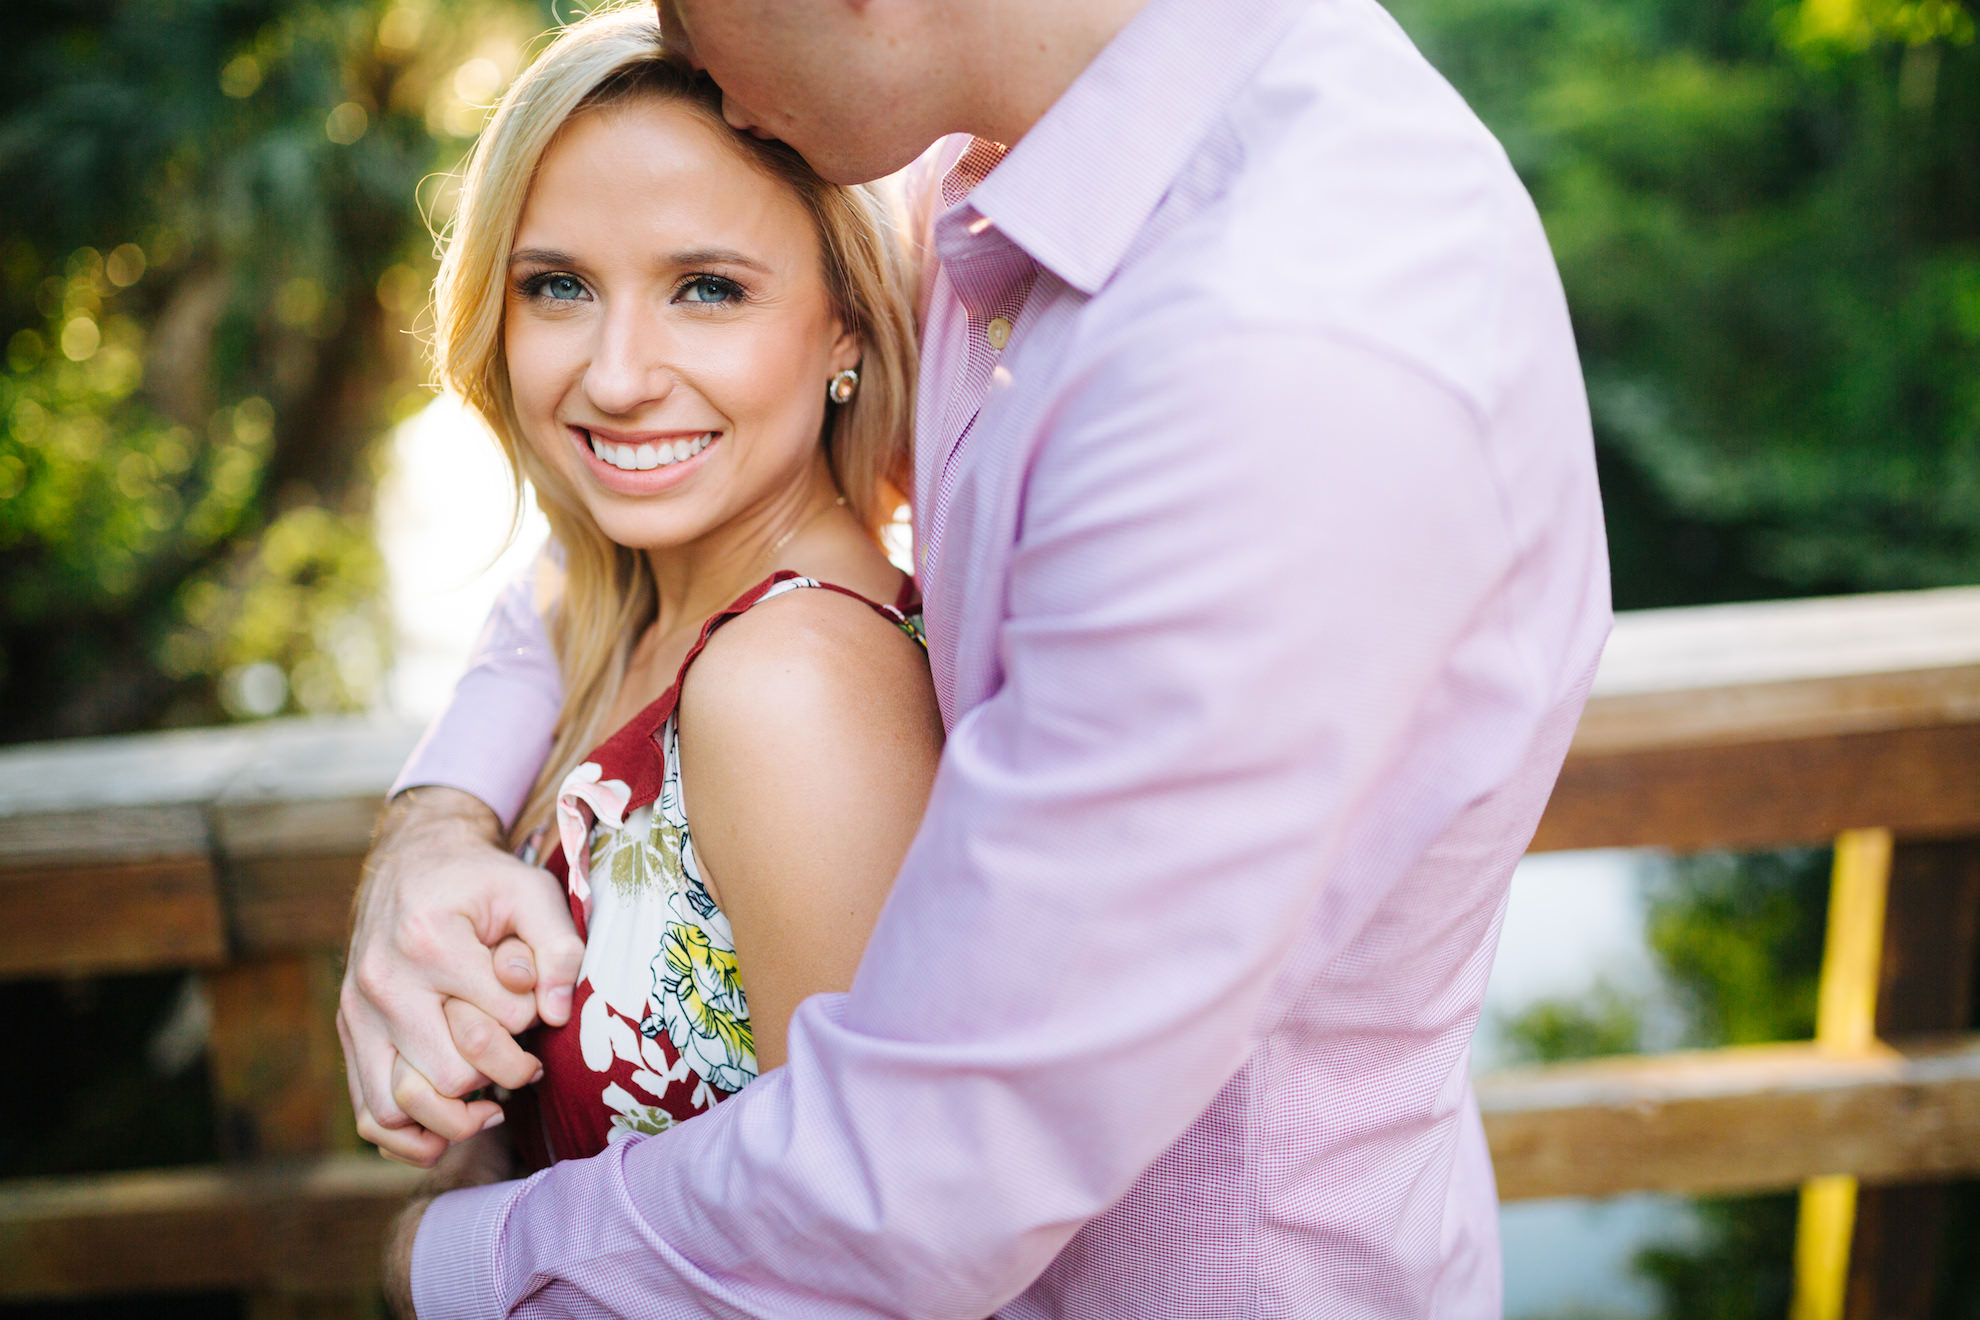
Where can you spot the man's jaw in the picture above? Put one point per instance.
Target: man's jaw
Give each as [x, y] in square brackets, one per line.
[674, 33]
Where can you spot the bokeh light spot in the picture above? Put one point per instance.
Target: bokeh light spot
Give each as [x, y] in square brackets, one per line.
[346, 124]
[241, 77]
[80, 339]
[478, 80]
[125, 265]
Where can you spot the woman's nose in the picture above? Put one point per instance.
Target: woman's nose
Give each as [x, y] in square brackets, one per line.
[630, 366]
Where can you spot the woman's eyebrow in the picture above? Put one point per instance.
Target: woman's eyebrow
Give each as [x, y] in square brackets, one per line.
[716, 257]
[707, 256]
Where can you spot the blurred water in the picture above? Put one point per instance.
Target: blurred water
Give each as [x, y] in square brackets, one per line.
[1574, 918]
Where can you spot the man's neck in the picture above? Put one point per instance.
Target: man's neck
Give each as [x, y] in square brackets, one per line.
[1018, 57]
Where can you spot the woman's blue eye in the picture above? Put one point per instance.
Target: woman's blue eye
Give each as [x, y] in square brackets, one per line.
[709, 289]
[561, 287]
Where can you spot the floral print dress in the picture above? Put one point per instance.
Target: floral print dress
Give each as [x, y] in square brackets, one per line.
[659, 1027]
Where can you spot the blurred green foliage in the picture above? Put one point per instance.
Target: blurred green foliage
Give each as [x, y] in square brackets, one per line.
[1605, 1019]
[1767, 217]
[209, 266]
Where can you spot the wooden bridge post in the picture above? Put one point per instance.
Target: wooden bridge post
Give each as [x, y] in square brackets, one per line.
[1931, 947]
[278, 1084]
[278, 1079]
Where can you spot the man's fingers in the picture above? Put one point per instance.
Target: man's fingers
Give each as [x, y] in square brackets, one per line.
[515, 966]
[368, 1057]
[375, 987]
[441, 1116]
[483, 1042]
[451, 951]
[543, 922]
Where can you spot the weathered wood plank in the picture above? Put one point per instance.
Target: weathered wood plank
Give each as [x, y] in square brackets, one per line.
[1779, 722]
[278, 1079]
[111, 917]
[1751, 1119]
[311, 1227]
[248, 830]
[281, 787]
[314, 787]
[287, 904]
[1777, 711]
[88, 774]
[1919, 782]
[128, 832]
[1765, 643]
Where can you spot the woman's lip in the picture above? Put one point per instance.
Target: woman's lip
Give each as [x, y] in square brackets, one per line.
[639, 481]
[642, 437]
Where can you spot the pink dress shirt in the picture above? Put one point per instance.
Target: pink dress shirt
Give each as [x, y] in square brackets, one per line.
[1265, 580]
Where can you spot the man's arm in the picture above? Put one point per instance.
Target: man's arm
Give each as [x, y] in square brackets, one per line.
[440, 892]
[1224, 634]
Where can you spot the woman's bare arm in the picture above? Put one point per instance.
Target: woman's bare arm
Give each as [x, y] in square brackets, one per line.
[809, 739]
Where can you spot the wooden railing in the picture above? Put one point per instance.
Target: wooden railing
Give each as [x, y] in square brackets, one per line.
[234, 851]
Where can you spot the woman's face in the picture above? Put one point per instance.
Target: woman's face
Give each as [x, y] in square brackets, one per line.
[668, 332]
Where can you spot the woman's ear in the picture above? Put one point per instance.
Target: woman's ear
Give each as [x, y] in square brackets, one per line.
[846, 351]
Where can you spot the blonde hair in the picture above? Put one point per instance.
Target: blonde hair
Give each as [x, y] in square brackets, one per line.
[606, 596]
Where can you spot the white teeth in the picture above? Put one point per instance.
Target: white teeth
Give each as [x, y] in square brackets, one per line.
[644, 458]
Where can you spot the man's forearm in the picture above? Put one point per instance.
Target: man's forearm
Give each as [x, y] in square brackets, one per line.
[431, 819]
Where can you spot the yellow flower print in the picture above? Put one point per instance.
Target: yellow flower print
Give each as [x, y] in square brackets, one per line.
[702, 1003]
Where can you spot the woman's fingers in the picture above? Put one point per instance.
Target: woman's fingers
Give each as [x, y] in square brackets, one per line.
[485, 1044]
[407, 1145]
[441, 1116]
[541, 918]
[515, 966]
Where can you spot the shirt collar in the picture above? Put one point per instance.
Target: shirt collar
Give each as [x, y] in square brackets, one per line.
[1079, 186]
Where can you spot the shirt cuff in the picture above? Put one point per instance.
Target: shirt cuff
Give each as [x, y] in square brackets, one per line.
[454, 1266]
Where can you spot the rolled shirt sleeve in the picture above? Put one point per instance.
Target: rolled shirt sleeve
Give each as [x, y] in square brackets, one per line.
[492, 738]
[1257, 623]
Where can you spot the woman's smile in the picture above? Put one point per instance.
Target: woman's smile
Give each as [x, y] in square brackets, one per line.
[641, 462]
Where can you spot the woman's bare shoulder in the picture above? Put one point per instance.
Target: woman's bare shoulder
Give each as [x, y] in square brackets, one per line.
[807, 664]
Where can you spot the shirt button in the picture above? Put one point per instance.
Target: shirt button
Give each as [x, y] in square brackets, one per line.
[998, 332]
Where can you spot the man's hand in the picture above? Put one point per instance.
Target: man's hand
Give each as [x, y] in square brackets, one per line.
[428, 1012]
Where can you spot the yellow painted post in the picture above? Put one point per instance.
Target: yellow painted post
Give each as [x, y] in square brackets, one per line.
[1846, 1022]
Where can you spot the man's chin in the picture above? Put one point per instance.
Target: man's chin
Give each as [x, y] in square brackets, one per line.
[847, 168]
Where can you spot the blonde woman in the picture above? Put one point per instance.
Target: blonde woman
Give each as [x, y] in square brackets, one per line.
[700, 354]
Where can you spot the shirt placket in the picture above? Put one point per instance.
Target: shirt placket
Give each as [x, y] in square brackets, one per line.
[991, 278]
